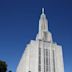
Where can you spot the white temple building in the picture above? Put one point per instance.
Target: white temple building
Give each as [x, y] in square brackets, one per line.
[42, 54]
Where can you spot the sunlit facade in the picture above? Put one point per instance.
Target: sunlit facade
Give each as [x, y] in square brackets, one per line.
[42, 54]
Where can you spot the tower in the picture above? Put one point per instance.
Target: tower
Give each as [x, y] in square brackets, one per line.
[42, 54]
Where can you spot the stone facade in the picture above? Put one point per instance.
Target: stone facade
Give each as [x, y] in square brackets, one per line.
[42, 54]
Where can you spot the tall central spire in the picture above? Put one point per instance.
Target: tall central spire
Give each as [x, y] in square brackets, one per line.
[43, 33]
[43, 23]
[42, 10]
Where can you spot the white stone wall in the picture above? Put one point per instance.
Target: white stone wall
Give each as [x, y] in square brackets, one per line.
[30, 57]
[59, 59]
[29, 60]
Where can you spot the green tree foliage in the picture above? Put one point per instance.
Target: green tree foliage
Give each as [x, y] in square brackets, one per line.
[3, 66]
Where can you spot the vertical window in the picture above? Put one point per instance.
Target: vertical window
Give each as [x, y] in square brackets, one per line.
[45, 36]
[53, 61]
[46, 60]
[39, 60]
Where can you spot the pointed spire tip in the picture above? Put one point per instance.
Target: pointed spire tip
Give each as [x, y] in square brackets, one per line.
[42, 10]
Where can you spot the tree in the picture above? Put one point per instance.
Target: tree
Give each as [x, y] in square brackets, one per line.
[3, 66]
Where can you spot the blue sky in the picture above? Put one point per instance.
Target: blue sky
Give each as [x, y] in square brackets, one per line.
[19, 24]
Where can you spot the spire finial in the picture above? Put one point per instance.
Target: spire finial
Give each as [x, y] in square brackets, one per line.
[42, 10]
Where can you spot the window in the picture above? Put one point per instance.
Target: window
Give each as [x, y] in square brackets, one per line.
[53, 61]
[45, 36]
[39, 59]
[46, 60]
